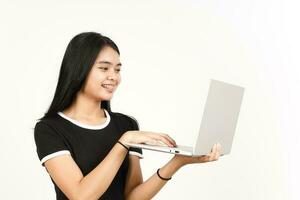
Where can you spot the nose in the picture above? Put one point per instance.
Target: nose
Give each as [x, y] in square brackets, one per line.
[112, 75]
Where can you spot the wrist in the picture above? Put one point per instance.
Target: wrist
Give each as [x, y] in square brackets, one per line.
[125, 146]
[178, 162]
[165, 179]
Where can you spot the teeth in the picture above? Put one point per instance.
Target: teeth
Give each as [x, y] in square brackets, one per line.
[107, 86]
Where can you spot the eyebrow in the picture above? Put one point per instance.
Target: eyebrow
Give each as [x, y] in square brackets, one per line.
[107, 62]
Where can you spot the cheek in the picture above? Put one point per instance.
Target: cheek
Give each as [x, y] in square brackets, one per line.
[118, 79]
[95, 81]
[98, 78]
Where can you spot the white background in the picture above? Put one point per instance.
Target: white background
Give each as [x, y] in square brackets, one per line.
[169, 51]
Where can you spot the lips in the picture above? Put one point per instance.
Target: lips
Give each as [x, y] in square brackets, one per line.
[109, 87]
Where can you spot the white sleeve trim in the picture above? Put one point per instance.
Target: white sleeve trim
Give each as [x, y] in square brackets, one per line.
[136, 154]
[52, 155]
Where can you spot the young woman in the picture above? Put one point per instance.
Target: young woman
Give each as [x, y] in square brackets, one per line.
[80, 141]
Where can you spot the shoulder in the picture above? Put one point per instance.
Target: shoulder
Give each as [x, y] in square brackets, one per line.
[47, 121]
[43, 124]
[47, 124]
[126, 120]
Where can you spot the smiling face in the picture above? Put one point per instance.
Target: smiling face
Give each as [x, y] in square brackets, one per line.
[104, 77]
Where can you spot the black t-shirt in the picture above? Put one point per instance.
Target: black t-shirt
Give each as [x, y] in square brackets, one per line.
[87, 144]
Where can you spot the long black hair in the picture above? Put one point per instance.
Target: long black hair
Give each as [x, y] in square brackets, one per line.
[77, 62]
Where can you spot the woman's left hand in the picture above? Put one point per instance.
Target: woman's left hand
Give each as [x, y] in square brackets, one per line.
[212, 156]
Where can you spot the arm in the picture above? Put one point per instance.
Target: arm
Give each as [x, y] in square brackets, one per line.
[134, 174]
[69, 178]
[152, 186]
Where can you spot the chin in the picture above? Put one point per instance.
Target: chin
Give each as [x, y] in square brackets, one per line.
[106, 97]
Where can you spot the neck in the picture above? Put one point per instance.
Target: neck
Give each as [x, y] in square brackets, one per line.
[85, 108]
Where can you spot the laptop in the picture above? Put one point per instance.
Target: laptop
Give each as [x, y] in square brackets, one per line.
[218, 122]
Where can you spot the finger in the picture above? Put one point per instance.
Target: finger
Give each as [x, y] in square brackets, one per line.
[213, 149]
[159, 137]
[213, 154]
[152, 141]
[163, 138]
[169, 138]
[218, 151]
[149, 138]
[166, 140]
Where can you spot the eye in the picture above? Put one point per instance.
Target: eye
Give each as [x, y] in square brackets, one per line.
[118, 70]
[103, 68]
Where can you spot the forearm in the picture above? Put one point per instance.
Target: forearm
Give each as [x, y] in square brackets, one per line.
[93, 185]
[153, 185]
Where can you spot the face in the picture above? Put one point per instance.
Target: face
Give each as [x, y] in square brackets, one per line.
[104, 76]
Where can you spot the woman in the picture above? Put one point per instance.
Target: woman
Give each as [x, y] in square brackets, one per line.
[80, 141]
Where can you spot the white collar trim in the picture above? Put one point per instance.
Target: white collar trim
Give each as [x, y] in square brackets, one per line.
[87, 126]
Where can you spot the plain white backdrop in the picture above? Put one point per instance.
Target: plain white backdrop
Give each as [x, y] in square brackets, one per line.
[169, 51]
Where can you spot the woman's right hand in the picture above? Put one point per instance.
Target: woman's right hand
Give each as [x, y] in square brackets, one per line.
[145, 137]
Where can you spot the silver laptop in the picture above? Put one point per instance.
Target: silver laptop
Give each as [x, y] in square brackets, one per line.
[218, 123]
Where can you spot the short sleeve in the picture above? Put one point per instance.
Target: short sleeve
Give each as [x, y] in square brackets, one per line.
[134, 125]
[48, 142]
